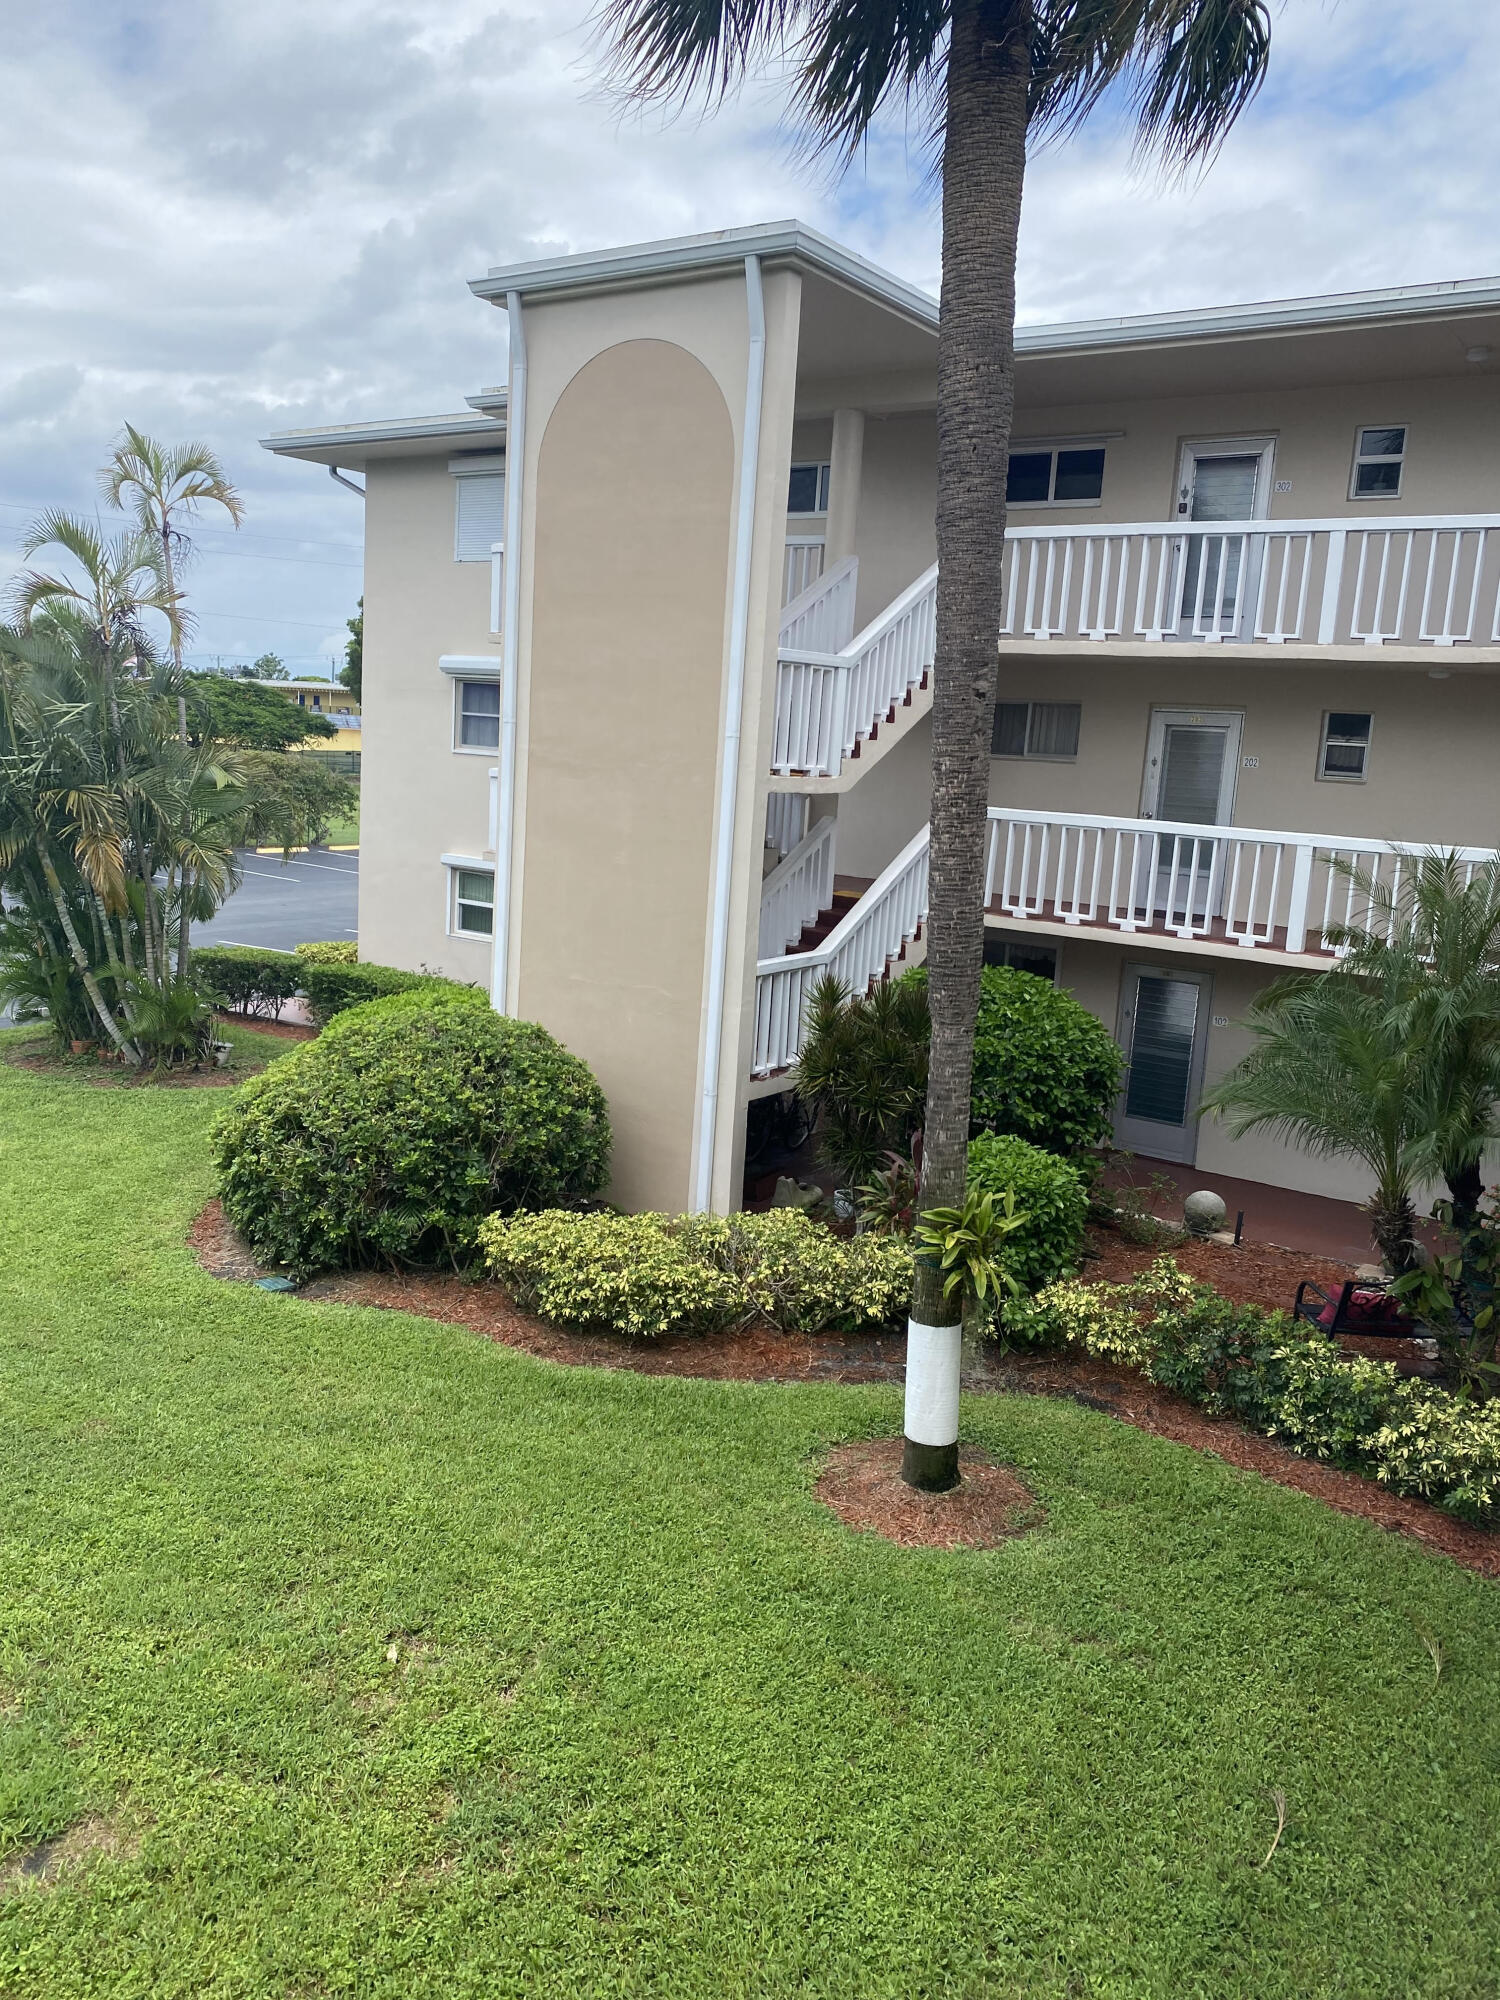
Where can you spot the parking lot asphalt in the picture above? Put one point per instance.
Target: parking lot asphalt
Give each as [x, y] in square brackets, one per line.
[313, 896]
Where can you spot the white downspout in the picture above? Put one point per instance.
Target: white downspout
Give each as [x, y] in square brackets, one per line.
[505, 798]
[729, 760]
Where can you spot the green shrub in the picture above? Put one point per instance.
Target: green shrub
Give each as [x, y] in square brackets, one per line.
[329, 951]
[649, 1275]
[393, 1135]
[1044, 1067]
[1051, 1195]
[332, 988]
[864, 1066]
[1287, 1379]
[249, 978]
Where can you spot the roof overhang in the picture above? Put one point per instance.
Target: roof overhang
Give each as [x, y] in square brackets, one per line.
[354, 445]
[777, 244]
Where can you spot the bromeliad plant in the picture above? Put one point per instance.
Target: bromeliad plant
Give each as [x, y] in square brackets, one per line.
[965, 1246]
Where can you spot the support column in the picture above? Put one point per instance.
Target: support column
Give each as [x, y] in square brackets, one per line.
[846, 463]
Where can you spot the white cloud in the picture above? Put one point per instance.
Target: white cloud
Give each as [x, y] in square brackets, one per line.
[224, 220]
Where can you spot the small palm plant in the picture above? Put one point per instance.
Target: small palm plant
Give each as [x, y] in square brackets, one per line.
[1333, 1073]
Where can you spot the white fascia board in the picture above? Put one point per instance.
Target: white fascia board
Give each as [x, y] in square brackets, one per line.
[791, 242]
[471, 667]
[774, 243]
[1397, 303]
[469, 428]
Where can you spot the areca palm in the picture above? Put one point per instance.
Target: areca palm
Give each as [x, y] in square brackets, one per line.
[165, 485]
[996, 74]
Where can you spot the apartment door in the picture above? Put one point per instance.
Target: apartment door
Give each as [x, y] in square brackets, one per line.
[1164, 1016]
[1192, 756]
[1222, 480]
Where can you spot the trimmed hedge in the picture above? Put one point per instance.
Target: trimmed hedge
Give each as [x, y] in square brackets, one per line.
[649, 1275]
[391, 1137]
[248, 978]
[332, 988]
[1049, 1192]
[329, 951]
[1283, 1377]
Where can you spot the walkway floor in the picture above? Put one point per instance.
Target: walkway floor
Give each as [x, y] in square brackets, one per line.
[1310, 1222]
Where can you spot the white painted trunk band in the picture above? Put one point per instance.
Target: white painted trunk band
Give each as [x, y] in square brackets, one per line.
[932, 1363]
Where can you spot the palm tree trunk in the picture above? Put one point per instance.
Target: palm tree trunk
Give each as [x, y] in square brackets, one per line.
[984, 165]
[81, 959]
[1393, 1224]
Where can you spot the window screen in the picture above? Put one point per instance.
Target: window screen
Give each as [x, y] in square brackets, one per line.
[1378, 458]
[474, 902]
[1036, 729]
[479, 714]
[480, 522]
[1346, 745]
[807, 490]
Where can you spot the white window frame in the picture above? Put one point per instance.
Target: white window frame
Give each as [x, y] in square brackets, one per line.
[1034, 447]
[1027, 755]
[1398, 459]
[458, 865]
[1359, 777]
[460, 748]
[825, 479]
[483, 465]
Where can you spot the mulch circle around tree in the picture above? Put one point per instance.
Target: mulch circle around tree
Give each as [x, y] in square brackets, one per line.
[761, 1354]
[110, 1072]
[862, 1483]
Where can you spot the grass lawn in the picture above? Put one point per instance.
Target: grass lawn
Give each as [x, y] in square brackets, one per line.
[343, 832]
[392, 1663]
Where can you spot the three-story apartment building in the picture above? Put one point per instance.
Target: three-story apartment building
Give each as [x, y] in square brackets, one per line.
[648, 644]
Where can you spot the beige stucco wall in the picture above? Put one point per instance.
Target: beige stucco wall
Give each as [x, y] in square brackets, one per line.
[420, 798]
[621, 734]
[635, 413]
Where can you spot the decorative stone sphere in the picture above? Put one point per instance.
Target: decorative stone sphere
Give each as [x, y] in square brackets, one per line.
[1203, 1213]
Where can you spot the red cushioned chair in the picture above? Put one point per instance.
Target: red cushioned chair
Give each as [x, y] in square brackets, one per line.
[1358, 1307]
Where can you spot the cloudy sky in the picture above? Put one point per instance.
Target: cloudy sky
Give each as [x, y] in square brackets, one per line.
[225, 220]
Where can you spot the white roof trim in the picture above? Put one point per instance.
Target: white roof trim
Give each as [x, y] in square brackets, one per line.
[471, 667]
[401, 430]
[775, 242]
[793, 242]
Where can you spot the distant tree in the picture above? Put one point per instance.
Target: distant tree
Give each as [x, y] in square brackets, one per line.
[249, 717]
[354, 654]
[270, 667]
[292, 801]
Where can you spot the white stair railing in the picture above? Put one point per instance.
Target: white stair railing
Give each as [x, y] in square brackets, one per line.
[1416, 580]
[801, 564]
[787, 817]
[1243, 886]
[822, 615]
[796, 893]
[827, 700]
[857, 952]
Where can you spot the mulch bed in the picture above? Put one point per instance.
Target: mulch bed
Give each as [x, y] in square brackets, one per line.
[761, 1354]
[1255, 1274]
[862, 1484]
[105, 1073]
[288, 1031]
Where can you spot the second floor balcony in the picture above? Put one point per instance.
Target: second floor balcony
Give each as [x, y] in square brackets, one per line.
[1419, 582]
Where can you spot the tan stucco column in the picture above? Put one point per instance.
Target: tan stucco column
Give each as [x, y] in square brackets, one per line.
[845, 462]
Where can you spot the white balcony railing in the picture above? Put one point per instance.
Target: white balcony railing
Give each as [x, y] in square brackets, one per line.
[1420, 580]
[857, 952]
[796, 893]
[1230, 885]
[827, 699]
[497, 590]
